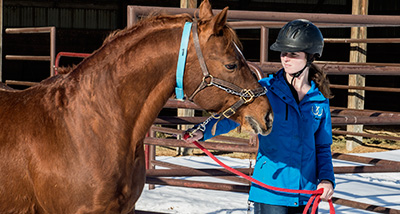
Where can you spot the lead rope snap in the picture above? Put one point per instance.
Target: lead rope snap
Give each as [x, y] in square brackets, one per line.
[248, 207]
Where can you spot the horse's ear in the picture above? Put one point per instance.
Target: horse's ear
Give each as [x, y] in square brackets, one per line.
[219, 21]
[205, 10]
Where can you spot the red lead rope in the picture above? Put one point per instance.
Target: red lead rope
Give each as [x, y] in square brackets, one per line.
[315, 194]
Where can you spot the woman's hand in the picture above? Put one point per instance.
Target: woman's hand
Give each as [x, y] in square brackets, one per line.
[196, 136]
[328, 189]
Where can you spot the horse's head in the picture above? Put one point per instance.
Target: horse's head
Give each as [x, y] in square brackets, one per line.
[229, 77]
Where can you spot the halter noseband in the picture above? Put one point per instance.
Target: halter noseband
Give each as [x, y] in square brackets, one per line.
[246, 95]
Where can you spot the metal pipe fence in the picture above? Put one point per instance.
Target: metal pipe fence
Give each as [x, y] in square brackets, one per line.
[265, 21]
[162, 177]
[50, 58]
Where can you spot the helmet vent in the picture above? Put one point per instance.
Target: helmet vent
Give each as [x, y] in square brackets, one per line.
[295, 33]
[288, 31]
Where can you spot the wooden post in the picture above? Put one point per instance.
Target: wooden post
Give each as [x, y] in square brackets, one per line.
[186, 112]
[358, 53]
[188, 3]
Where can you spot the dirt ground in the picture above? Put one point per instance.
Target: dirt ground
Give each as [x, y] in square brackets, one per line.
[370, 144]
[339, 144]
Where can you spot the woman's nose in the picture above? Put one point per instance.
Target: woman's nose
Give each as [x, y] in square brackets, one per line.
[285, 58]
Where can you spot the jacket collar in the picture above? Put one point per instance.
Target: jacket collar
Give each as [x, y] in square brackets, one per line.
[280, 87]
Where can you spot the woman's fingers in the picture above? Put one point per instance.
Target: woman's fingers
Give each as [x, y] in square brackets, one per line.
[328, 189]
[197, 135]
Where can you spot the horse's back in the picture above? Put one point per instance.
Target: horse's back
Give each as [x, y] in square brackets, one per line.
[49, 162]
[21, 130]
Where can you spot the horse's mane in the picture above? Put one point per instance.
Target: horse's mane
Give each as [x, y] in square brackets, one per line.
[157, 19]
[65, 70]
[232, 36]
[150, 20]
[146, 23]
[154, 22]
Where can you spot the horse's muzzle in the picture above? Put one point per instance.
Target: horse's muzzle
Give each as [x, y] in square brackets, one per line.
[263, 129]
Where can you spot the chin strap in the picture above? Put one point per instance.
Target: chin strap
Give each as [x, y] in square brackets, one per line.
[298, 73]
[310, 59]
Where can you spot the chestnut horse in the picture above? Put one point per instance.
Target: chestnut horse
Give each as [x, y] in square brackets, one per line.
[5, 87]
[74, 143]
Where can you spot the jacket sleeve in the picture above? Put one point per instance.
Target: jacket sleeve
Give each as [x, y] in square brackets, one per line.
[223, 126]
[323, 141]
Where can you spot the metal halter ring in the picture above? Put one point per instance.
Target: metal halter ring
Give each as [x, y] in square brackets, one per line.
[211, 80]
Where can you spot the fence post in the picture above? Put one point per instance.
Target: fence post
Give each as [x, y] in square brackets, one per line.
[264, 44]
[151, 155]
[358, 53]
[52, 50]
[188, 3]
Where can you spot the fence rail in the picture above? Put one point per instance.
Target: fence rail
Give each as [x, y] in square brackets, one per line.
[160, 177]
[340, 116]
[50, 58]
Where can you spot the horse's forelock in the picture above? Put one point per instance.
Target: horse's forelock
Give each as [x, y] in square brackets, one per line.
[228, 32]
[232, 37]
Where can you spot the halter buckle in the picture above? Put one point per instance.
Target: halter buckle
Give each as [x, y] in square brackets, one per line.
[228, 112]
[249, 94]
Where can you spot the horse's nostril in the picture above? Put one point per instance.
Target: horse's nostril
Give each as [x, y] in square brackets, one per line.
[269, 118]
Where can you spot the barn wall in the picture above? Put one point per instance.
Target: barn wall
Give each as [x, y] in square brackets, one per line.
[82, 25]
[70, 18]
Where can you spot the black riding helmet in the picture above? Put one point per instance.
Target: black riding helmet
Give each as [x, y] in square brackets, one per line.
[300, 35]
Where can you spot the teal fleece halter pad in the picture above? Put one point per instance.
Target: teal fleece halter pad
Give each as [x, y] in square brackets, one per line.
[180, 69]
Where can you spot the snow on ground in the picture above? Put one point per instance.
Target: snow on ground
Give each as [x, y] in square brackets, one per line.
[381, 189]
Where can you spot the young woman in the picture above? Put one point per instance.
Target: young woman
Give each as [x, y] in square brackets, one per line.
[297, 152]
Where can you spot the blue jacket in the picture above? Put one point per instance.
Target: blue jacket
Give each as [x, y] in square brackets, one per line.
[297, 152]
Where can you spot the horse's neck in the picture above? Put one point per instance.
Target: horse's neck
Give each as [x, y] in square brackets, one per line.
[139, 80]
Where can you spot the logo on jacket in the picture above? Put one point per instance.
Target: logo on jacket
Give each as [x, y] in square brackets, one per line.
[317, 111]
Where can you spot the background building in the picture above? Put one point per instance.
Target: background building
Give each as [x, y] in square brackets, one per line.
[81, 26]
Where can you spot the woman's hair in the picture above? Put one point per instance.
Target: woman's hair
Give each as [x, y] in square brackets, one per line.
[320, 79]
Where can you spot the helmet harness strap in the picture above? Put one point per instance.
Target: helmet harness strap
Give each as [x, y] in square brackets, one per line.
[310, 59]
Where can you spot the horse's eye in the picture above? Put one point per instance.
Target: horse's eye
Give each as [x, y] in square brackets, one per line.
[231, 66]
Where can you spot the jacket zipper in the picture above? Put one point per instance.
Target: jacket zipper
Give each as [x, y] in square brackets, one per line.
[287, 112]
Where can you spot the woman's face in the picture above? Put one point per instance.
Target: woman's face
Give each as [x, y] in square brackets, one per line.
[293, 62]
